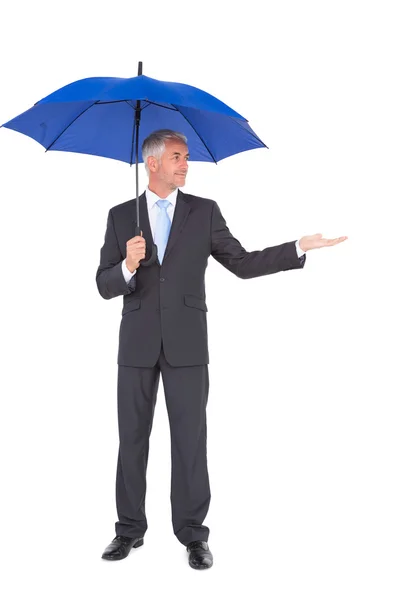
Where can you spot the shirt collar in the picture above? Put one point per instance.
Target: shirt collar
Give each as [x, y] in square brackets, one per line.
[152, 198]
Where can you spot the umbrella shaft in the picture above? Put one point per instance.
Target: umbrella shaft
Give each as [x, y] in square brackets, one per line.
[137, 121]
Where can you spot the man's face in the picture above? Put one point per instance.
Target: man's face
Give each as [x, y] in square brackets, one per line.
[173, 166]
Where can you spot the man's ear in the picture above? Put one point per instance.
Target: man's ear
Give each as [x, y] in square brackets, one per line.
[152, 163]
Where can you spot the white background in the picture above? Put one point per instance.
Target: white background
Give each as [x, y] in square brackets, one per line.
[303, 416]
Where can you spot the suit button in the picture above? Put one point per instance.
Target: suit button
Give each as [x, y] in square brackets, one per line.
[162, 279]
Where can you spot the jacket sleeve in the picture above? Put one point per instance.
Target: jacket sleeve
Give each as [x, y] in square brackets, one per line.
[109, 277]
[228, 251]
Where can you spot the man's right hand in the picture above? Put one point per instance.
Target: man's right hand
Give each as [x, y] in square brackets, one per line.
[135, 251]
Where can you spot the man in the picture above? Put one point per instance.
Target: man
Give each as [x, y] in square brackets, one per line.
[164, 329]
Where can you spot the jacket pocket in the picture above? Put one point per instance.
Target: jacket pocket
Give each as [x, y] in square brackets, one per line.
[133, 304]
[195, 302]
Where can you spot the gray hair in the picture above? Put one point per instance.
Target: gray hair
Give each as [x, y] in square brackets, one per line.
[154, 144]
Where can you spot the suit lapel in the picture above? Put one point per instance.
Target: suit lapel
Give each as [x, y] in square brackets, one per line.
[144, 224]
[181, 213]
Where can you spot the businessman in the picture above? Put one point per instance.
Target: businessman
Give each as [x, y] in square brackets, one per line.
[164, 330]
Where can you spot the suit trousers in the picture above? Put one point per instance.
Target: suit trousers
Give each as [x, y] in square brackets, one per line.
[186, 394]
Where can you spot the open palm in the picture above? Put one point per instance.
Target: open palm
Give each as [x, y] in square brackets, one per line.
[309, 242]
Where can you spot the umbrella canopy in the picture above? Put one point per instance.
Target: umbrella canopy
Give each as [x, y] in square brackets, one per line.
[111, 117]
[97, 116]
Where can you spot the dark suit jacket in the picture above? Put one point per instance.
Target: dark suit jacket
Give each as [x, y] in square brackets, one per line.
[168, 301]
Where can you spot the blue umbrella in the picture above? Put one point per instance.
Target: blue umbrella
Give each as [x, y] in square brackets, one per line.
[111, 117]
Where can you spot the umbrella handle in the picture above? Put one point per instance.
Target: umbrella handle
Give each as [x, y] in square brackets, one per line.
[153, 257]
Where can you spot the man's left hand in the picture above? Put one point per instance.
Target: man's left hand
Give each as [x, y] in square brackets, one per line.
[309, 242]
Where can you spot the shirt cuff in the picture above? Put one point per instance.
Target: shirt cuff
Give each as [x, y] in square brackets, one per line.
[300, 252]
[126, 272]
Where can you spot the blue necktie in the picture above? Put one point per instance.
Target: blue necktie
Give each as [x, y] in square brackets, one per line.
[163, 226]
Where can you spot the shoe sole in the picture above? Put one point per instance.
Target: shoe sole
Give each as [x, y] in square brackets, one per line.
[136, 545]
[201, 567]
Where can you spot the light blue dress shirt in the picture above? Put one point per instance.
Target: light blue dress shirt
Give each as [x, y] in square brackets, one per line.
[153, 210]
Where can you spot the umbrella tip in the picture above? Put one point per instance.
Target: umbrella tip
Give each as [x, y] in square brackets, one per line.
[140, 68]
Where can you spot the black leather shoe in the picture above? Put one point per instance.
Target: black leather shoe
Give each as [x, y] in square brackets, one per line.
[200, 556]
[120, 547]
